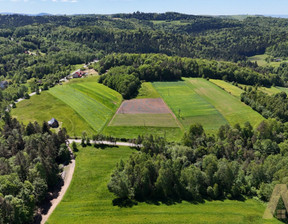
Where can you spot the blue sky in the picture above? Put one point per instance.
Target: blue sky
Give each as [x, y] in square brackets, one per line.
[198, 7]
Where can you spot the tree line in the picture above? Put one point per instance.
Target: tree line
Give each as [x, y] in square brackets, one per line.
[123, 72]
[238, 162]
[275, 106]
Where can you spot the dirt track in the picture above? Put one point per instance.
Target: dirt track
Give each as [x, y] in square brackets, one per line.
[69, 171]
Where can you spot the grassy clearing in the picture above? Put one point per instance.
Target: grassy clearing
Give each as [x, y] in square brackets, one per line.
[147, 91]
[234, 90]
[170, 133]
[150, 120]
[229, 106]
[190, 107]
[45, 106]
[89, 201]
[260, 59]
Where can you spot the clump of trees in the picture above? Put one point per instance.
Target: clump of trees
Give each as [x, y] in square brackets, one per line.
[29, 158]
[236, 163]
[275, 106]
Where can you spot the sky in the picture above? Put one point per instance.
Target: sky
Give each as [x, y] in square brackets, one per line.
[196, 7]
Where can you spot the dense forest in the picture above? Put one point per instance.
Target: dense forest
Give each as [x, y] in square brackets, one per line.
[29, 167]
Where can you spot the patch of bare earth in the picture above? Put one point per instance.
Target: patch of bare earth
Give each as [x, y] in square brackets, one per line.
[144, 106]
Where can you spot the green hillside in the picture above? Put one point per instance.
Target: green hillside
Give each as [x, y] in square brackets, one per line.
[89, 201]
[83, 105]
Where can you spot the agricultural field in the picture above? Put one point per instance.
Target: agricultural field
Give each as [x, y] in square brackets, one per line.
[229, 106]
[188, 106]
[80, 105]
[233, 90]
[145, 114]
[89, 201]
[200, 101]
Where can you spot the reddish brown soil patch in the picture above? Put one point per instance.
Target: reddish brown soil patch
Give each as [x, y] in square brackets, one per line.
[144, 106]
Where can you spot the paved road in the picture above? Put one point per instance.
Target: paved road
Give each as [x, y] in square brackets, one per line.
[108, 143]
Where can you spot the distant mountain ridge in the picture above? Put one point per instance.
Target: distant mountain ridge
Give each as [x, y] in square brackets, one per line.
[24, 14]
[236, 16]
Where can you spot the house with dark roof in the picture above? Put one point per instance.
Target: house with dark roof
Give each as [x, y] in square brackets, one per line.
[53, 123]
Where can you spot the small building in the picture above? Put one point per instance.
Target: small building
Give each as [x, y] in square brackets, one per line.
[4, 84]
[79, 74]
[53, 123]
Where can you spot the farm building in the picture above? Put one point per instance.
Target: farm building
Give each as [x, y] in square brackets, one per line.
[79, 74]
[53, 123]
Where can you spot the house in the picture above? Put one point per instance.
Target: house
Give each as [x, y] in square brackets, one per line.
[79, 74]
[53, 123]
[3, 84]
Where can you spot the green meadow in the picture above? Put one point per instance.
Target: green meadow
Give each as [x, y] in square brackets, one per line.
[45, 106]
[260, 59]
[88, 200]
[80, 105]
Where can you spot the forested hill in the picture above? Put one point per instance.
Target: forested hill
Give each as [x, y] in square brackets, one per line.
[170, 33]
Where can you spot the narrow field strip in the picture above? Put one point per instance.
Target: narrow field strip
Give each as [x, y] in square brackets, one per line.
[101, 93]
[150, 120]
[233, 90]
[170, 133]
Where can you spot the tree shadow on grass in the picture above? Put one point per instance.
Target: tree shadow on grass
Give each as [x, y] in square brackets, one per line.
[103, 146]
[124, 202]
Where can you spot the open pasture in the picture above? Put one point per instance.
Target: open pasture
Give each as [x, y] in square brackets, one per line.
[88, 200]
